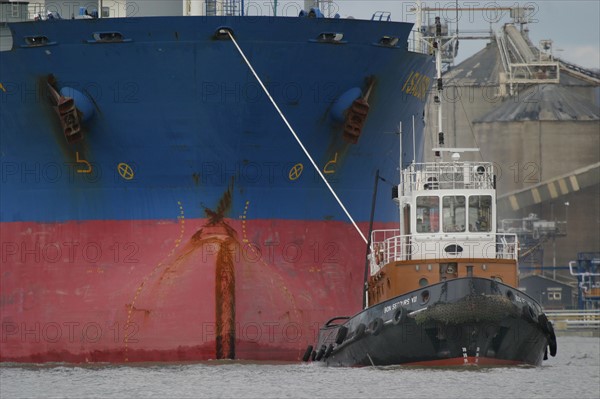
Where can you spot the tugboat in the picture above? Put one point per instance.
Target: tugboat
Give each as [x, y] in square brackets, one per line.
[442, 289]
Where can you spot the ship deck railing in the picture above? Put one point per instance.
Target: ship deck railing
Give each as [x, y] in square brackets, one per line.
[447, 176]
[390, 246]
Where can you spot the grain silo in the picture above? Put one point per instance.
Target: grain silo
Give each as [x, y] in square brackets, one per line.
[538, 119]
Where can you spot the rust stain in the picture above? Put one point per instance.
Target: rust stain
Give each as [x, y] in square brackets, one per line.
[51, 121]
[68, 115]
[131, 306]
[215, 217]
[351, 128]
[224, 277]
[356, 116]
[225, 302]
[223, 237]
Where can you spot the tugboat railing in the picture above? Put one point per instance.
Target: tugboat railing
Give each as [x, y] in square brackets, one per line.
[447, 176]
[390, 246]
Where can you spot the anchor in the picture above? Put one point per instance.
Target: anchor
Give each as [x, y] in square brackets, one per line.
[66, 111]
[357, 115]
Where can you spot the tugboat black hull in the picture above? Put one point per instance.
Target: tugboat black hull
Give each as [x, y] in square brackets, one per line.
[462, 321]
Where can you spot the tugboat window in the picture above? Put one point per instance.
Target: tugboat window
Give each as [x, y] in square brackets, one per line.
[453, 213]
[428, 214]
[480, 213]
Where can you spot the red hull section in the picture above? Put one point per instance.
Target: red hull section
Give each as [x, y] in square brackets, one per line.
[134, 291]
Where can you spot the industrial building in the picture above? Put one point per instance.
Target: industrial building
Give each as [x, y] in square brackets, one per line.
[538, 119]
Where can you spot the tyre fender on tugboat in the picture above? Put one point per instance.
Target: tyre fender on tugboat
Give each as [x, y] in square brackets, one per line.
[328, 352]
[548, 329]
[307, 353]
[399, 316]
[552, 341]
[341, 334]
[376, 326]
[320, 353]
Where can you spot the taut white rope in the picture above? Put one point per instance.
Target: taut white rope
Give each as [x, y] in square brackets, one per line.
[296, 136]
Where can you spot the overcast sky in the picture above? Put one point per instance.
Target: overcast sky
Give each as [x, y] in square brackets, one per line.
[574, 26]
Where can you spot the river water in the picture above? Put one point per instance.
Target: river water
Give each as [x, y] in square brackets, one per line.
[573, 373]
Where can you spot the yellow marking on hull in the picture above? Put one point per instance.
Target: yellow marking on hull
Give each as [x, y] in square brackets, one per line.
[259, 257]
[125, 171]
[537, 198]
[330, 166]
[83, 161]
[129, 323]
[296, 171]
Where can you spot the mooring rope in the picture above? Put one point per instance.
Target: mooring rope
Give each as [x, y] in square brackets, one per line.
[296, 136]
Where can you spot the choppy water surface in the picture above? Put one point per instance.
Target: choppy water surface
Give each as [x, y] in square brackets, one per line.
[574, 373]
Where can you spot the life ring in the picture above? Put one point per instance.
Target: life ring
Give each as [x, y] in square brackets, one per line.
[307, 353]
[399, 316]
[376, 326]
[341, 334]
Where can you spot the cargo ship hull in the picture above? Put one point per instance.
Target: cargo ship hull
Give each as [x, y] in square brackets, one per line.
[154, 298]
[187, 223]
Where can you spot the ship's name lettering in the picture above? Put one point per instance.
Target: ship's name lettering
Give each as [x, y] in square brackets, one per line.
[522, 300]
[396, 305]
[417, 85]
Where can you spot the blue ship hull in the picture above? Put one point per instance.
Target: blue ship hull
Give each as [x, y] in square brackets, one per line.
[183, 161]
